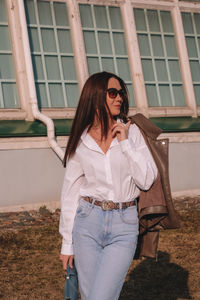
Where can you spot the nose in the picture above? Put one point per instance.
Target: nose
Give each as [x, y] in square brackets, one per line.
[119, 98]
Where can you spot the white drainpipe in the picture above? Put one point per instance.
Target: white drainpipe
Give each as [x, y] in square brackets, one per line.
[32, 92]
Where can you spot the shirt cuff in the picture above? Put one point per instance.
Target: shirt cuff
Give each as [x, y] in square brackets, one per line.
[125, 145]
[67, 249]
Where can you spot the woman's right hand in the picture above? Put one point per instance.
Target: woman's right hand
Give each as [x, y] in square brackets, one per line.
[67, 260]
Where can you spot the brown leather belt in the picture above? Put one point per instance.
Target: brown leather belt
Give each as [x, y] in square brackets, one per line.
[110, 205]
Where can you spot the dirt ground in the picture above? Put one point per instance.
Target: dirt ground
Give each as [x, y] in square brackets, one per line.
[30, 267]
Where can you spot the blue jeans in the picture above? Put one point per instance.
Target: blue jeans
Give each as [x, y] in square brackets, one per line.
[104, 245]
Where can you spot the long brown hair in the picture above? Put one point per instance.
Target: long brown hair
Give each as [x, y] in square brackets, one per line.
[93, 99]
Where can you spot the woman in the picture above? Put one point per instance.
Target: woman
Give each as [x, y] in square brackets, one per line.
[107, 163]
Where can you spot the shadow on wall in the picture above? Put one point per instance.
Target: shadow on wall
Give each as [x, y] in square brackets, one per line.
[160, 280]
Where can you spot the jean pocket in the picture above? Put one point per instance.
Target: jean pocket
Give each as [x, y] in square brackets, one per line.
[129, 215]
[83, 209]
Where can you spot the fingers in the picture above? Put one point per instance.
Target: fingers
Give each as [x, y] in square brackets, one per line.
[121, 130]
[71, 261]
[121, 126]
[67, 259]
[117, 128]
[64, 259]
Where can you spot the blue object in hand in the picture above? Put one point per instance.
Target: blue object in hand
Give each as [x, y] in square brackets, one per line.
[71, 284]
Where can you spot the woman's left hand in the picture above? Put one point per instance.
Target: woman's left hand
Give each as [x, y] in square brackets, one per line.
[121, 131]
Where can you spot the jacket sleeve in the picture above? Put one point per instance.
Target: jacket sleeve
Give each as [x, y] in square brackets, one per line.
[142, 166]
[69, 202]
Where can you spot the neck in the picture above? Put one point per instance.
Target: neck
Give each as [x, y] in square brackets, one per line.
[97, 124]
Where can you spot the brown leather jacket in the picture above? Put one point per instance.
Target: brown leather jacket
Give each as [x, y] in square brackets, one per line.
[155, 206]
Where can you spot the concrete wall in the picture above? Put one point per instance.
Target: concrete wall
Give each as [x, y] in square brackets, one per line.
[184, 166]
[30, 178]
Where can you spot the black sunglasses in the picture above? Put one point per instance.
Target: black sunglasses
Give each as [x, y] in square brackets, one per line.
[112, 93]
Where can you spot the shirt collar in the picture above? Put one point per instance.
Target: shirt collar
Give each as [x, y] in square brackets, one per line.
[90, 142]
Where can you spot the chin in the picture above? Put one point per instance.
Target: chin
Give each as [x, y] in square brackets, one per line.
[115, 113]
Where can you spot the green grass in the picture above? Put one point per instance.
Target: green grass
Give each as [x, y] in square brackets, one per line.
[30, 267]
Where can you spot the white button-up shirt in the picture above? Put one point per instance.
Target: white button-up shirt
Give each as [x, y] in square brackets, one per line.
[117, 175]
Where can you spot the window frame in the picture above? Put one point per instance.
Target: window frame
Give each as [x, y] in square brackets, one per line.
[191, 107]
[126, 7]
[15, 35]
[195, 8]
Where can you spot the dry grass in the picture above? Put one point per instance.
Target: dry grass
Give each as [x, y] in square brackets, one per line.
[30, 266]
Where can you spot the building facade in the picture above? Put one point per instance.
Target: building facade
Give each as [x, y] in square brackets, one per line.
[47, 51]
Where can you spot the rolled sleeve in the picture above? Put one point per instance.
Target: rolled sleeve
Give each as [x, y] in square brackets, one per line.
[67, 249]
[69, 202]
[142, 166]
[125, 145]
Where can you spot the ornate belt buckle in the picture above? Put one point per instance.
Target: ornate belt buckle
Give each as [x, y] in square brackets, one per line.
[107, 205]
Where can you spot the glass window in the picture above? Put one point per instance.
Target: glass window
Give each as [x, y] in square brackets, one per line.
[105, 42]
[191, 24]
[8, 89]
[159, 58]
[52, 54]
